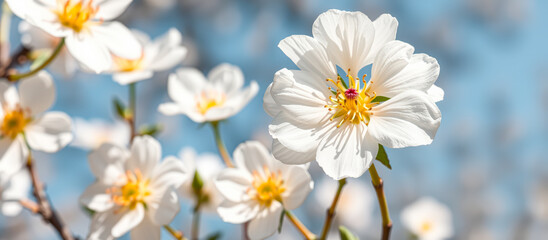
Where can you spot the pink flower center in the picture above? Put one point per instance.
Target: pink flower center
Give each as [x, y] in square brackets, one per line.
[351, 93]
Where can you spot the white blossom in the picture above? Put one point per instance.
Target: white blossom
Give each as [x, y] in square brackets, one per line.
[13, 189]
[90, 134]
[428, 219]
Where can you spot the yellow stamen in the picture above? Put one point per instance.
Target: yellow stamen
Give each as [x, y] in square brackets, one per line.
[134, 191]
[75, 14]
[426, 227]
[14, 122]
[209, 99]
[128, 65]
[268, 187]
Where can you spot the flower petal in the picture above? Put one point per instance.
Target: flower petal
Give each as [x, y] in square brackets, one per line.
[101, 225]
[37, 92]
[165, 208]
[96, 197]
[237, 212]
[184, 84]
[233, 184]
[128, 221]
[309, 55]
[270, 106]
[288, 156]
[8, 96]
[146, 230]
[145, 154]
[110, 9]
[252, 156]
[240, 98]
[89, 51]
[49, 133]
[13, 155]
[168, 51]
[170, 109]
[170, 173]
[266, 222]
[299, 185]
[118, 39]
[346, 151]
[408, 119]
[125, 78]
[227, 77]
[436, 93]
[107, 162]
[15, 188]
[386, 27]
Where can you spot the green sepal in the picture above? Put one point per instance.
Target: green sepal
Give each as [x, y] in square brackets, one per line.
[281, 221]
[383, 157]
[346, 234]
[150, 130]
[380, 99]
[214, 236]
[197, 183]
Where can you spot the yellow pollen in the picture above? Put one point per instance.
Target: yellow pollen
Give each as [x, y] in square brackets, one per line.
[134, 191]
[75, 14]
[14, 122]
[267, 188]
[351, 104]
[209, 99]
[128, 65]
[426, 227]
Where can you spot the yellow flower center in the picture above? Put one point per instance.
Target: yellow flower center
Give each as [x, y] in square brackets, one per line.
[14, 123]
[209, 99]
[134, 191]
[128, 65]
[426, 227]
[267, 188]
[75, 14]
[351, 104]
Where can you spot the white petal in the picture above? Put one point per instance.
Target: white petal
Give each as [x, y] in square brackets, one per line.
[90, 52]
[37, 92]
[145, 154]
[13, 155]
[238, 100]
[107, 162]
[170, 109]
[128, 221]
[386, 27]
[10, 209]
[118, 39]
[101, 225]
[266, 223]
[169, 60]
[347, 36]
[168, 51]
[164, 209]
[125, 78]
[309, 55]
[170, 173]
[17, 187]
[96, 198]
[397, 69]
[185, 83]
[110, 9]
[346, 151]
[302, 101]
[30, 10]
[49, 133]
[237, 212]
[408, 119]
[233, 184]
[299, 185]
[436, 93]
[289, 156]
[227, 77]
[8, 95]
[252, 156]
[270, 106]
[146, 230]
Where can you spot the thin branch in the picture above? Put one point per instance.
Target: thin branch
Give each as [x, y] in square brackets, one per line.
[378, 185]
[331, 210]
[300, 226]
[221, 145]
[176, 234]
[133, 108]
[15, 77]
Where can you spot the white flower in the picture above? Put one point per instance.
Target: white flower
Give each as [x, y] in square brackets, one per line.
[93, 133]
[210, 100]
[208, 167]
[161, 54]
[316, 116]
[259, 188]
[134, 190]
[41, 42]
[86, 25]
[428, 219]
[357, 201]
[12, 189]
[22, 112]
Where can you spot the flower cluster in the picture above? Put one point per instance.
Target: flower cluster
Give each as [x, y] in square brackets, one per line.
[341, 120]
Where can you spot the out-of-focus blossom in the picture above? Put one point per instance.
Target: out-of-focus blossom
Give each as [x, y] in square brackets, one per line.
[41, 42]
[160, 54]
[134, 190]
[22, 116]
[208, 167]
[93, 133]
[356, 203]
[12, 189]
[339, 123]
[259, 188]
[161, 4]
[86, 25]
[428, 219]
[207, 100]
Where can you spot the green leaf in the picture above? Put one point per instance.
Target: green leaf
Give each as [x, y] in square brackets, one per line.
[214, 236]
[119, 107]
[380, 99]
[342, 81]
[281, 221]
[383, 157]
[197, 183]
[151, 130]
[346, 234]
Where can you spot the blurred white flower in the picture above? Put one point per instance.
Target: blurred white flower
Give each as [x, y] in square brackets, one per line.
[134, 190]
[259, 188]
[161, 54]
[86, 25]
[428, 219]
[22, 116]
[339, 123]
[161, 4]
[203, 100]
[12, 189]
[356, 203]
[93, 133]
[208, 167]
[41, 42]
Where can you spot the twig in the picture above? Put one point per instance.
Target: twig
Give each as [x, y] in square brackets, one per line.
[331, 210]
[176, 234]
[15, 77]
[300, 226]
[378, 185]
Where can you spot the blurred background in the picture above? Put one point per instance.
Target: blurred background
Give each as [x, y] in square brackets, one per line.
[488, 163]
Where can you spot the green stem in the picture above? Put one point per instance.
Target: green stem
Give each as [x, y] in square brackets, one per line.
[221, 145]
[300, 226]
[56, 52]
[195, 228]
[133, 108]
[378, 185]
[331, 210]
[176, 234]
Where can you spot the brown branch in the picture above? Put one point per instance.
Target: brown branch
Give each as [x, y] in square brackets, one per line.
[378, 185]
[331, 210]
[18, 58]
